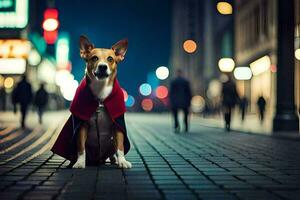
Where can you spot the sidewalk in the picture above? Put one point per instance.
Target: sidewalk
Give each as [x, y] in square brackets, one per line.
[250, 125]
[11, 119]
[204, 164]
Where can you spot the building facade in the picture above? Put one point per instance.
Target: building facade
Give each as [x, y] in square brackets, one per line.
[256, 47]
[186, 25]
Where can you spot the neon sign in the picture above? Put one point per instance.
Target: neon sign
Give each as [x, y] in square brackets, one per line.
[13, 13]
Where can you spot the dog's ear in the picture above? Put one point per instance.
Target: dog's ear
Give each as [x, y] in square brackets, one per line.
[120, 49]
[85, 46]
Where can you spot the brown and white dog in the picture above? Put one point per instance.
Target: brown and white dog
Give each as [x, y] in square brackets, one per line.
[101, 70]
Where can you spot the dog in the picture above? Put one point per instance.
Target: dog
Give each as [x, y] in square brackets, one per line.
[101, 71]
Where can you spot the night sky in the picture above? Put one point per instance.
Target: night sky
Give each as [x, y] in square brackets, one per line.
[145, 23]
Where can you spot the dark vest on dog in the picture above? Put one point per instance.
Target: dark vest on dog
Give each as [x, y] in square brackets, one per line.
[83, 109]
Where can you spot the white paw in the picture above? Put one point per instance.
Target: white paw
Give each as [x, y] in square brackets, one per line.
[80, 163]
[123, 163]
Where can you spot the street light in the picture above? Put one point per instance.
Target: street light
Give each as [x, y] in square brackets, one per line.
[162, 72]
[297, 54]
[224, 8]
[190, 46]
[242, 73]
[8, 82]
[261, 65]
[226, 64]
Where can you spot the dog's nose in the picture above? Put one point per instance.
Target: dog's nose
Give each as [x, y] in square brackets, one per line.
[102, 67]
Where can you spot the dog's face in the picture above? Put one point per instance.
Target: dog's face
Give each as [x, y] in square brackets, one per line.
[102, 63]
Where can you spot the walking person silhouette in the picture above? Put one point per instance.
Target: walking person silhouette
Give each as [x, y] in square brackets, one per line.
[180, 99]
[22, 95]
[229, 100]
[40, 101]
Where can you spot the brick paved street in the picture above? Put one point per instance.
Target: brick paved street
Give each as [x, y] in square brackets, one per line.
[206, 163]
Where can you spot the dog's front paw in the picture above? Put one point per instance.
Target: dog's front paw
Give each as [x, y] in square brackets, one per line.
[80, 163]
[121, 161]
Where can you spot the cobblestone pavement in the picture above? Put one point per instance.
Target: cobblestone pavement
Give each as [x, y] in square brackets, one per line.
[205, 163]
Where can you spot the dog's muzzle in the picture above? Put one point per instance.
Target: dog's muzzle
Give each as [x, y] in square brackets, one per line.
[101, 71]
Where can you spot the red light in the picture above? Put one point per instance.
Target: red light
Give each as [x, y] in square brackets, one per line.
[161, 92]
[51, 13]
[273, 68]
[50, 25]
[50, 36]
[125, 94]
[147, 104]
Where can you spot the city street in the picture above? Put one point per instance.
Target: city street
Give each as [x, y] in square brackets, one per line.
[206, 163]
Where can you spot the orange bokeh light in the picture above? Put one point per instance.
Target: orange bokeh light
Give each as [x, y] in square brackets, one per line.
[147, 104]
[190, 46]
[162, 92]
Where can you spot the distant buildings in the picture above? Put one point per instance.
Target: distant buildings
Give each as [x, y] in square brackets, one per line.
[256, 46]
[249, 36]
[186, 24]
[213, 34]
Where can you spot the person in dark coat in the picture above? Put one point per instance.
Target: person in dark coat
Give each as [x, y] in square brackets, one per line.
[230, 98]
[243, 107]
[261, 103]
[22, 95]
[40, 101]
[180, 98]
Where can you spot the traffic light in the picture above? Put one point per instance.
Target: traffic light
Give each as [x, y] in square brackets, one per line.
[50, 25]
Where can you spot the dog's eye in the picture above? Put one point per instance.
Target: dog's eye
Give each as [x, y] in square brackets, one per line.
[94, 58]
[110, 59]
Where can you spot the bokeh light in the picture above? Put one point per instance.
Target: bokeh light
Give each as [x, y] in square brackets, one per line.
[242, 73]
[297, 54]
[214, 89]
[130, 101]
[226, 64]
[260, 65]
[273, 68]
[145, 89]
[161, 92]
[162, 72]
[125, 94]
[147, 104]
[190, 46]
[61, 76]
[34, 58]
[50, 24]
[197, 104]
[9, 82]
[1, 81]
[224, 8]
[68, 89]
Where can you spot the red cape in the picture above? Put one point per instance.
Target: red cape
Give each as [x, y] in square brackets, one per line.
[83, 106]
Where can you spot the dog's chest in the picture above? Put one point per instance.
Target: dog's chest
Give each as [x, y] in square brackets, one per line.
[100, 140]
[105, 92]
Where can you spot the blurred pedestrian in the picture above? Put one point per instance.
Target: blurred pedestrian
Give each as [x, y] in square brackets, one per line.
[41, 101]
[243, 107]
[261, 103]
[229, 100]
[22, 95]
[3, 98]
[180, 99]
